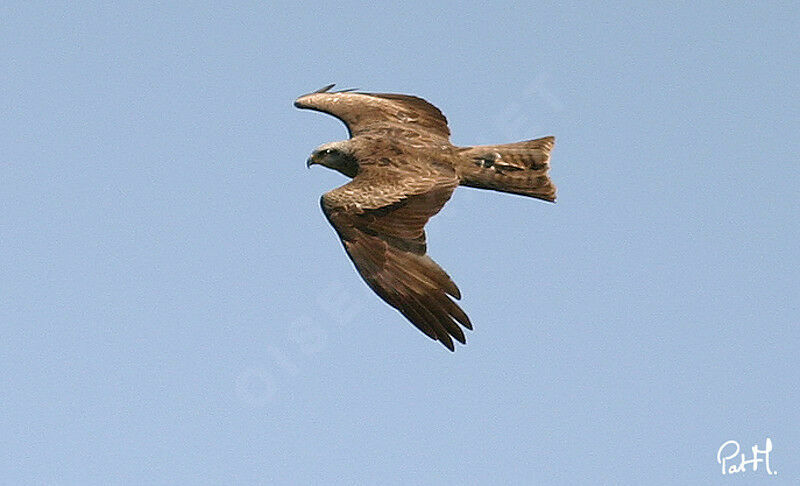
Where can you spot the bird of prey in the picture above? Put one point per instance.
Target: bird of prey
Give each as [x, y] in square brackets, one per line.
[404, 169]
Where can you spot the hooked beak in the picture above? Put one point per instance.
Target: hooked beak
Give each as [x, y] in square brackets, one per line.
[311, 161]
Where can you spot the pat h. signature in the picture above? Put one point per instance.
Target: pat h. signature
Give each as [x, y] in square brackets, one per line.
[728, 452]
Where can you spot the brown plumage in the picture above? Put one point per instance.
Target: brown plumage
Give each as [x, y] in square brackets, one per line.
[404, 170]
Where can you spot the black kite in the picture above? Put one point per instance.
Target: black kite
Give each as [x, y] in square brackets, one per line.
[404, 170]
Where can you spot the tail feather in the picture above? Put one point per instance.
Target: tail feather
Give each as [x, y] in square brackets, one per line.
[518, 168]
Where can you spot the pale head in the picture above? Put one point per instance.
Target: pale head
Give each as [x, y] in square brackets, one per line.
[336, 156]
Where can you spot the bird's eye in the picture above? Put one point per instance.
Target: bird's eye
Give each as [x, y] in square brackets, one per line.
[328, 151]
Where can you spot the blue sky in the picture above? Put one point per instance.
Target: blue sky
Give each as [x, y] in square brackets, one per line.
[176, 310]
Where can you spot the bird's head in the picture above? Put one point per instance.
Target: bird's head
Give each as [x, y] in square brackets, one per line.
[336, 156]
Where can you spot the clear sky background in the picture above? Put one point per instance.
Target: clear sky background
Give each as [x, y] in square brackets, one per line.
[175, 309]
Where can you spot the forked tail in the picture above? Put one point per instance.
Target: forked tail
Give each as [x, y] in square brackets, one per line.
[518, 168]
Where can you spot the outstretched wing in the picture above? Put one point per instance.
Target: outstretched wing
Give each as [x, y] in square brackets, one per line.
[362, 112]
[380, 219]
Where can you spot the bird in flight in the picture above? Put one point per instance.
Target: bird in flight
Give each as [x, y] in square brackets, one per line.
[404, 169]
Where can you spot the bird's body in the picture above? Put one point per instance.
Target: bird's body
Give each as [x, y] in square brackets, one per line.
[404, 169]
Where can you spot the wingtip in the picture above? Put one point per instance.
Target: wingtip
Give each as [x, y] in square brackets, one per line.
[323, 89]
[327, 89]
